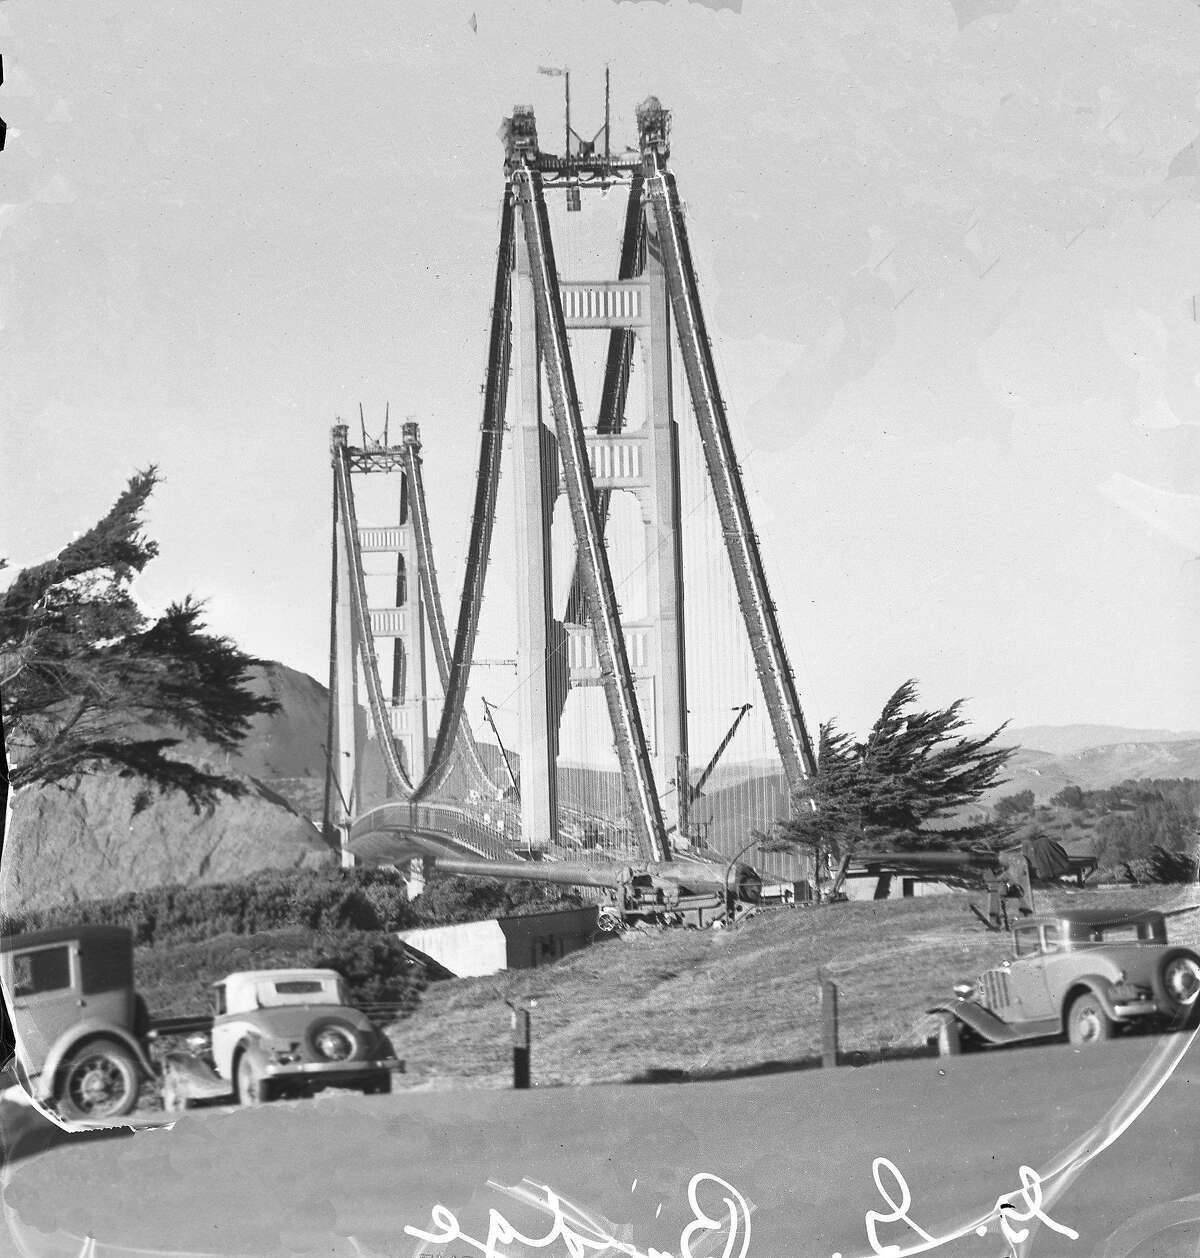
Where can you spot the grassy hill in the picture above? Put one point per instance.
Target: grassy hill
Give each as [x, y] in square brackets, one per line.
[713, 1004]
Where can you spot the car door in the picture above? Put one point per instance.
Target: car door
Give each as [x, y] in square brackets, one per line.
[1028, 974]
[42, 984]
[1014, 990]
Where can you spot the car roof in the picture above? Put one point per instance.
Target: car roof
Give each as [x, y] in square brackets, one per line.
[254, 976]
[65, 934]
[1097, 917]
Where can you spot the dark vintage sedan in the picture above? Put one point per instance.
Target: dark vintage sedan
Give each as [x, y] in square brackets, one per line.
[81, 1029]
[1087, 974]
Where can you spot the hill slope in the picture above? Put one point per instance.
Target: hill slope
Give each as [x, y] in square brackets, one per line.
[84, 841]
[705, 1004]
[1096, 767]
[1064, 740]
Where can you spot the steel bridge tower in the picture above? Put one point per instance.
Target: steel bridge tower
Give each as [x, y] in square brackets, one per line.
[653, 302]
[355, 638]
[555, 653]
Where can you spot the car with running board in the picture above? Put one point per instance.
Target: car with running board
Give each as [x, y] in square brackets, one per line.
[1086, 974]
[81, 1030]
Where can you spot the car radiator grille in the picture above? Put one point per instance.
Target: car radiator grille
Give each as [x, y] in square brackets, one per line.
[995, 989]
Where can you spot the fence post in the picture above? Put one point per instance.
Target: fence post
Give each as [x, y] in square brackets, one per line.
[829, 1023]
[521, 1046]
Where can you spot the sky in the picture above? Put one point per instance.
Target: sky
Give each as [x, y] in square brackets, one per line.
[949, 255]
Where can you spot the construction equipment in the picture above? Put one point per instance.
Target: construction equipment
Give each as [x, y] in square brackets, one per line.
[686, 891]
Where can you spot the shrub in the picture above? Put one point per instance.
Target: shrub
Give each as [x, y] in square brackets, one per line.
[1011, 806]
[338, 899]
[175, 978]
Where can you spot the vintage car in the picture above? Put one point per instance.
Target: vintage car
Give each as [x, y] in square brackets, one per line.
[80, 1027]
[280, 1033]
[1083, 973]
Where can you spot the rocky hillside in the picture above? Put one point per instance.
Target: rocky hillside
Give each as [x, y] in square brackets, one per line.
[84, 841]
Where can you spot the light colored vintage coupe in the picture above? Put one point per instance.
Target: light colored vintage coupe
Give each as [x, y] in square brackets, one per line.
[1088, 974]
[280, 1033]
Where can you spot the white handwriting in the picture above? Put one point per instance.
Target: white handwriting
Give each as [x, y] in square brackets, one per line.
[581, 1234]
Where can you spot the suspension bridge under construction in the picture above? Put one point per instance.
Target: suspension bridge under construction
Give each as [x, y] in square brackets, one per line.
[643, 725]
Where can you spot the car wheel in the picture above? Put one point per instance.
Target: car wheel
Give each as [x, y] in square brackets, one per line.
[252, 1088]
[1177, 981]
[1087, 1023]
[608, 920]
[100, 1080]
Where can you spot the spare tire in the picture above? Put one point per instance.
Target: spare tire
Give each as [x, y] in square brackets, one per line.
[336, 1038]
[1177, 981]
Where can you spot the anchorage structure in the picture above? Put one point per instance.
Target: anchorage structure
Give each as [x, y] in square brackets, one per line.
[653, 304]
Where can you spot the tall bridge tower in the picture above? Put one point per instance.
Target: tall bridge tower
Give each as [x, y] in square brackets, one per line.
[653, 302]
[557, 648]
[358, 629]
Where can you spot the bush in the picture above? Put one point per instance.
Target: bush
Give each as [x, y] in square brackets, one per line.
[447, 900]
[1011, 806]
[175, 978]
[1069, 797]
[337, 899]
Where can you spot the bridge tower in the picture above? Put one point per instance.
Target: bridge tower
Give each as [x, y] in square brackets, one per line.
[355, 638]
[555, 653]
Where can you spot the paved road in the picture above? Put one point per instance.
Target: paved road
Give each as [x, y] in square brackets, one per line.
[303, 1177]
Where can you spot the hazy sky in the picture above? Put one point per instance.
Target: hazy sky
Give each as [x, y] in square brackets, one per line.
[949, 258]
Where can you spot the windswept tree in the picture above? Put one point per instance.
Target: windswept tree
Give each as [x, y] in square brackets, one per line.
[913, 768]
[88, 683]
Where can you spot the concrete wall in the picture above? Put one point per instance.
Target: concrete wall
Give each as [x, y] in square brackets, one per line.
[466, 950]
[512, 943]
[864, 888]
[542, 938]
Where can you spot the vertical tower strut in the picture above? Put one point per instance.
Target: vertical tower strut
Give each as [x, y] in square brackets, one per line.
[758, 611]
[628, 733]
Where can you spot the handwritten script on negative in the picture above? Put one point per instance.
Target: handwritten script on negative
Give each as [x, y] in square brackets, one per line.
[719, 1223]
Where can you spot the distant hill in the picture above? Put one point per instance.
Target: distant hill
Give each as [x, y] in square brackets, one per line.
[1091, 768]
[1064, 740]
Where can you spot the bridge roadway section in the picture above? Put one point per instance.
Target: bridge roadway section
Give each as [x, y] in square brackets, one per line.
[398, 831]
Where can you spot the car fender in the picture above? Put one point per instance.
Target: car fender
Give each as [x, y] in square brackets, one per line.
[983, 1022]
[1099, 985]
[249, 1045]
[92, 1029]
[229, 1037]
